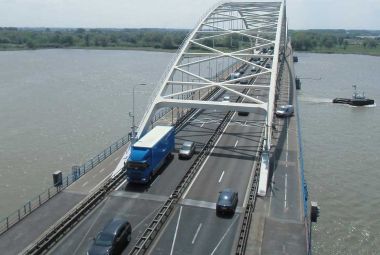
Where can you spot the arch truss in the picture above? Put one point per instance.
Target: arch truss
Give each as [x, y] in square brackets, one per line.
[232, 37]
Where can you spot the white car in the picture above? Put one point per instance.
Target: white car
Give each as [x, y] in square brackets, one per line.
[226, 98]
[285, 111]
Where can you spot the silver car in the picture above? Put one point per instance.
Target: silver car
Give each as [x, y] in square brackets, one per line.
[285, 111]
[187, 150]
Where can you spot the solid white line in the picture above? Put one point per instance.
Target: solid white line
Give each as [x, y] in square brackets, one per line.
[221, 176]
[220, 241]
[121, 184]
[286, 191]
[204, 163]
[154, 180]
[84, 184]
[196, 233]
[203, 124]
[116, 159]
[176, 230]
[102, 170]
[100, 183]
[237, 141]
[89, 229]
[287, 141]
[271, 194]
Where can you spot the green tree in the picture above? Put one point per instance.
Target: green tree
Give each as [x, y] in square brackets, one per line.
[167, 42]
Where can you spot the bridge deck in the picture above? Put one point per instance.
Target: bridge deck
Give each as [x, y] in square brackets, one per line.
[277, 225]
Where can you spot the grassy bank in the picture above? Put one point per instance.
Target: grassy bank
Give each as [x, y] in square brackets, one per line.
[350, 49]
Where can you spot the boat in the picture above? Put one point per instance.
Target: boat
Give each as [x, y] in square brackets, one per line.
[358, 99]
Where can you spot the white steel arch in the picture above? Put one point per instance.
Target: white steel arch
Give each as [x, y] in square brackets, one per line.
[232, 36]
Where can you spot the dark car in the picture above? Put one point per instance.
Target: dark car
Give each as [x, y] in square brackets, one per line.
[113, 238]
[187, 150]
[227, 202]
[243, 113]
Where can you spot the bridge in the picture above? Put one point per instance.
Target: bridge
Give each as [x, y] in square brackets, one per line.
[220, 91]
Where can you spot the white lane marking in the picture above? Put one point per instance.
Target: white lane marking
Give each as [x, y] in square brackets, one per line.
[101, 171]
[89, 229]
[149, 215]
[287, 142]
[154, 181]
[116, 159]
[100, 183]
[196, 233]
[225, 234]
[121, 184]
[204, 163]
[245, 123]
[286, 191]
[237, 141]
[203, 124]
[84, 184]
[271, 194]
[176, 230]
[221, 177]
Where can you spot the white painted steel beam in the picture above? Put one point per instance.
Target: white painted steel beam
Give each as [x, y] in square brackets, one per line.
[225, 40]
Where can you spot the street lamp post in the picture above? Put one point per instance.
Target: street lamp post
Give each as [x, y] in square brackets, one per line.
[132, 114]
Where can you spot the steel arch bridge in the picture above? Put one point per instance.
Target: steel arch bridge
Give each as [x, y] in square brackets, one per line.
[232, 36]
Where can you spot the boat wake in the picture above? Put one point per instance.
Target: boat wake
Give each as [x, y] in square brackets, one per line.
[315, 99]
[366, 106]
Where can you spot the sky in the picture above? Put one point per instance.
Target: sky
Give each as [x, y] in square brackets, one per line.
[302, 14]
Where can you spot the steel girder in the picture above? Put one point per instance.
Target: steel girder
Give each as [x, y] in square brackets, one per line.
[231, 36]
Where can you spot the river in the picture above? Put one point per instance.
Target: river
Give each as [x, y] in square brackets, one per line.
[61, 107]
[341, 151]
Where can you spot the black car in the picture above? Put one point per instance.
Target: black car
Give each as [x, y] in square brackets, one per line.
[113, 238]
[243, 113]
[227, 202]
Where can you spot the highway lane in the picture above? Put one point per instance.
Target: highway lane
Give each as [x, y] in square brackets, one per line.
[229, 165]
[138, 202]
[140, 199]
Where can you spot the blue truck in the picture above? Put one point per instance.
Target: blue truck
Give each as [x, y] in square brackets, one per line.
[150, 153]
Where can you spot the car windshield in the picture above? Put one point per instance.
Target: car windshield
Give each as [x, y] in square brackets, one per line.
[186, 147]
[225, 199]
[104, 239]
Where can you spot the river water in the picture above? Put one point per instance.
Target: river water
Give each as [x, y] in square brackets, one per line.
[341, 146]
[58, 108]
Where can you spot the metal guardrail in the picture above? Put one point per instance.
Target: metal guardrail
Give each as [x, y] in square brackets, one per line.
[144, 242]
[42, 198]
[244, 229]
[60, 228]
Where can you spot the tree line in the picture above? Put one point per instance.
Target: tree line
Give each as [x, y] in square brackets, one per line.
[309, 40]
[21, 38]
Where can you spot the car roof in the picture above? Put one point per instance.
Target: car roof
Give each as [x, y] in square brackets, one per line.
[113, 225]
[188, 143]
[227, 192]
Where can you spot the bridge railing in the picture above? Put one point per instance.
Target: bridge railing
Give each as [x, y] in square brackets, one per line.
[39, 200]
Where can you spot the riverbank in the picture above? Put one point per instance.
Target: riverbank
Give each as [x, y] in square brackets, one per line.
[152, 49]
[351, 49]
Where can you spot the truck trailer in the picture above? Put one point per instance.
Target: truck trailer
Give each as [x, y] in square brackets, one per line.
[150, 153]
